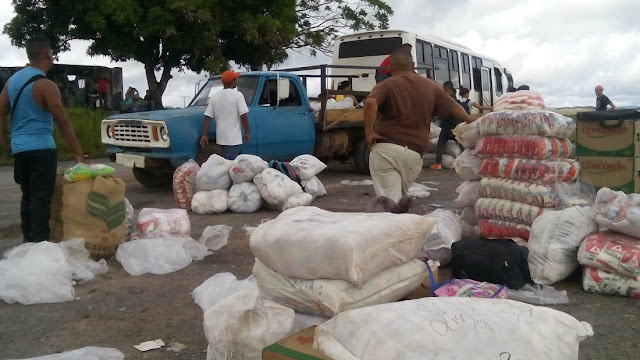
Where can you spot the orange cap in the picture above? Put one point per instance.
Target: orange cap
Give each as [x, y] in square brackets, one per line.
[229, 75]
[599, 87]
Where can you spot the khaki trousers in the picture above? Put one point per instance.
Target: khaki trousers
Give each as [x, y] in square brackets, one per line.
[393, 169]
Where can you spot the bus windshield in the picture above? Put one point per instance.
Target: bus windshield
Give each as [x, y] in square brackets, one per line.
[369, 47]
[246, 85]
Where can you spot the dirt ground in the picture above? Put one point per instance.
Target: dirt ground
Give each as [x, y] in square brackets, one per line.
[118, 310]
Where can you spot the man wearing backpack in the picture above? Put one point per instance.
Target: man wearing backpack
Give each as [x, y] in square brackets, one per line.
[467, 103]
[35, 103]
[447, 125]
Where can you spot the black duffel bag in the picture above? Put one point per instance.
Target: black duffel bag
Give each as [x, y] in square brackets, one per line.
[499, 261]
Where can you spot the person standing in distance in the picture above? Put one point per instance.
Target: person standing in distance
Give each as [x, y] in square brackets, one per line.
[230, 110]
[602, 100]
[398, 114]
[385, 65]
[35, 103]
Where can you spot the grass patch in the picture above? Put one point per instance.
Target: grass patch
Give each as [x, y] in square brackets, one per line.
[86, 124]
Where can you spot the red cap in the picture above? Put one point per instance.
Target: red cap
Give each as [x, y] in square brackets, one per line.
[599, 87]
[229, 75]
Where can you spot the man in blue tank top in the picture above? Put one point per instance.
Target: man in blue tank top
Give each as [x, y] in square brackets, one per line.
[35, 103]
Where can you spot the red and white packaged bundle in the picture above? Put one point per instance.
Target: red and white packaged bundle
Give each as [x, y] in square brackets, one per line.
[173, 221]
[499, 229]
[526, 122]
[535, 171]
[184, 183]
[611, 251]
[508, 210]
[520, 100]
[524, 146]
[533, 194]
[606, 282]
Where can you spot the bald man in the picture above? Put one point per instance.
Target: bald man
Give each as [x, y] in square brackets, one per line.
[602, 101]
[398, 114]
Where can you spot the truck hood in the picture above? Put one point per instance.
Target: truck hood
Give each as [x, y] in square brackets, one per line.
[162, 115]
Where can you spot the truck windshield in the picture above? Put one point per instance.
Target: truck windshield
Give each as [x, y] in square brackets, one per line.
[246, 85]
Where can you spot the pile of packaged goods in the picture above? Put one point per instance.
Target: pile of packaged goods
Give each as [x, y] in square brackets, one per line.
[515, 159]
[611, 259]
[245, 184]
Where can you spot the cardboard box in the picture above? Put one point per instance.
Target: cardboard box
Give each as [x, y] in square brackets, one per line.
[608, 134]
[297, 346]
[616, 173]
[425, 290]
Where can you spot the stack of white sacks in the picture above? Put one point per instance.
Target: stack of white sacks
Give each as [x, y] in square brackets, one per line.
[611, 258]
[245, 184]
[514, 160]
[451, 152]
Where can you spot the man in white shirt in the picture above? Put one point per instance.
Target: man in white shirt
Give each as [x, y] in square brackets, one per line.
[230, 110]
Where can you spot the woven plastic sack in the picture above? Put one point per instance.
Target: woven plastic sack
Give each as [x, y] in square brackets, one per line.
[210, 202]
[214, 174]
[611, 251]
[331, 297]
[314, 187]
[523, 146]
[302, 199]
[448, 229]
[536, 171]
[184, 183]
[499, 229]
[171, 221]
[85, 353]
[245, 198]
[467, 165]
[471, 289]
[275, 187]
[554, 242]
[605, 282]
[245, 167]
[451, 328]
[527, 122]
[520, 191]
[468, 193]
[508, 210]
[618, 211]
[467, 134]
[308, 166]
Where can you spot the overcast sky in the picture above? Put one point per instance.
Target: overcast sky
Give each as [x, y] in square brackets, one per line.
[560, 48]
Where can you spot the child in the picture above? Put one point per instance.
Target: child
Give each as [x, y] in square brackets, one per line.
[467, 103]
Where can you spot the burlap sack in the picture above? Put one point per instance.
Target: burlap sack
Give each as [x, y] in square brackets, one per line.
[93, 210]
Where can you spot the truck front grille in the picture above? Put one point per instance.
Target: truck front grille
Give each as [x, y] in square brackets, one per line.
[132, 133]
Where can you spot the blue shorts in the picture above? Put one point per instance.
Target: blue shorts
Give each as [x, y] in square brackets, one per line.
[231, 152]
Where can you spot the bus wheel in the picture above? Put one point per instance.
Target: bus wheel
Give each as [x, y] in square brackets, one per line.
[361, 156]
[153, 179]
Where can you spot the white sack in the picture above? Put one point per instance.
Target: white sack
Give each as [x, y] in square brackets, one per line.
[237, 323]
[467, 165]
[171, 221]
[305, 321]
[434, 131]
[314, 187]
[311, 243]
[554, 242]
[307, 166]
[447, 230]
[452, 328]
[210, 202]
[215, 237]
[245, 198]
[85, 353]
[331, 297]
[468, 193]
[214, 174]
[452, 148]
[467, 134]
[618, 211]
[275, 187]
[245, 167]
[302, 199]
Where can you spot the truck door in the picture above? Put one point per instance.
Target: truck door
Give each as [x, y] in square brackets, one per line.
[285, 129]
[487, 93]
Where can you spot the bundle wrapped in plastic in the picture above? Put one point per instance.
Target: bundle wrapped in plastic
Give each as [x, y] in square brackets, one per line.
[618, 211]
[606, 282]
[525, 146]
[507, 210]
[468, 193]
[527, 122]
[520, 100]
[314, 187]
[467, 134]
[499, 229]
[81, 172]
[210, 202]
[467, 165]
[611, 251]
[244, 198]
[172, 221]
[245, 167]
[184, 183]
[536, 171]
[520, 191]
[275, 187]
[214, 174]
[307, 166]
[448, 229]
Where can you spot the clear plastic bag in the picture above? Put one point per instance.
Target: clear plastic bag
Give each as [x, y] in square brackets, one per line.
[158, 253]
[447, 230]
[85, 353]
[81, 172]
[468, 193]
[467, 165]
[172, 221]
[618, 211]
[578, 193]
[215, 237]
[210, 202]
[538, 295]
[214, 174]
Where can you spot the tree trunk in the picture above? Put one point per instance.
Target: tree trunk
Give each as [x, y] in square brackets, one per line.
[156, 87]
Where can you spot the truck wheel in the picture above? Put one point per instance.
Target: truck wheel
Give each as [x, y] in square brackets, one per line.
[203, 154]
[153, 179]
[361, 156]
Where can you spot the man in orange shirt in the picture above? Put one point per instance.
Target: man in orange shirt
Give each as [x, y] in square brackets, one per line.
[386, 63]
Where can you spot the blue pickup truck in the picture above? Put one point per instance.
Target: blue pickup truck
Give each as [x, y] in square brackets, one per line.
[282, 122]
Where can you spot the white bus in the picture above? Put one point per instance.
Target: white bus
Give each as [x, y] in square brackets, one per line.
[485, 78]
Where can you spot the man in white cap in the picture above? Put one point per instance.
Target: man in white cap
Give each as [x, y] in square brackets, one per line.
[230, 110]
[602, 100]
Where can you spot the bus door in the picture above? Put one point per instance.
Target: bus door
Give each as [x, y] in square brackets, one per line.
[487, 92]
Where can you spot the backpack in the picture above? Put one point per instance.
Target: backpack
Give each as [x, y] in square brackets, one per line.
[499, 261]
[466, 106]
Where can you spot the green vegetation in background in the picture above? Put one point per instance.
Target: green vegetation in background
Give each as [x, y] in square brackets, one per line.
[86, 124]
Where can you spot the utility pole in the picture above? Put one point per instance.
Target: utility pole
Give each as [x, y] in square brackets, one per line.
[184, 101]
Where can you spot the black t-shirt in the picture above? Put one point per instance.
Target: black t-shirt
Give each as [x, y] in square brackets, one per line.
[602, 102]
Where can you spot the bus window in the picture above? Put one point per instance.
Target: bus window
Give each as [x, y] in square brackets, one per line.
[477, 76]
[441, 63]
[466, 71]
[369, 47]
[424, 53]
[498, 76]
[419, 53]
[454, 68]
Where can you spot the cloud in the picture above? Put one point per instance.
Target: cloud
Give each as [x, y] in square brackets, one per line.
[562, 49]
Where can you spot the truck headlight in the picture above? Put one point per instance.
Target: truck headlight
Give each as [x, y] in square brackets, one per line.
[164, 134]
[109, 130]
